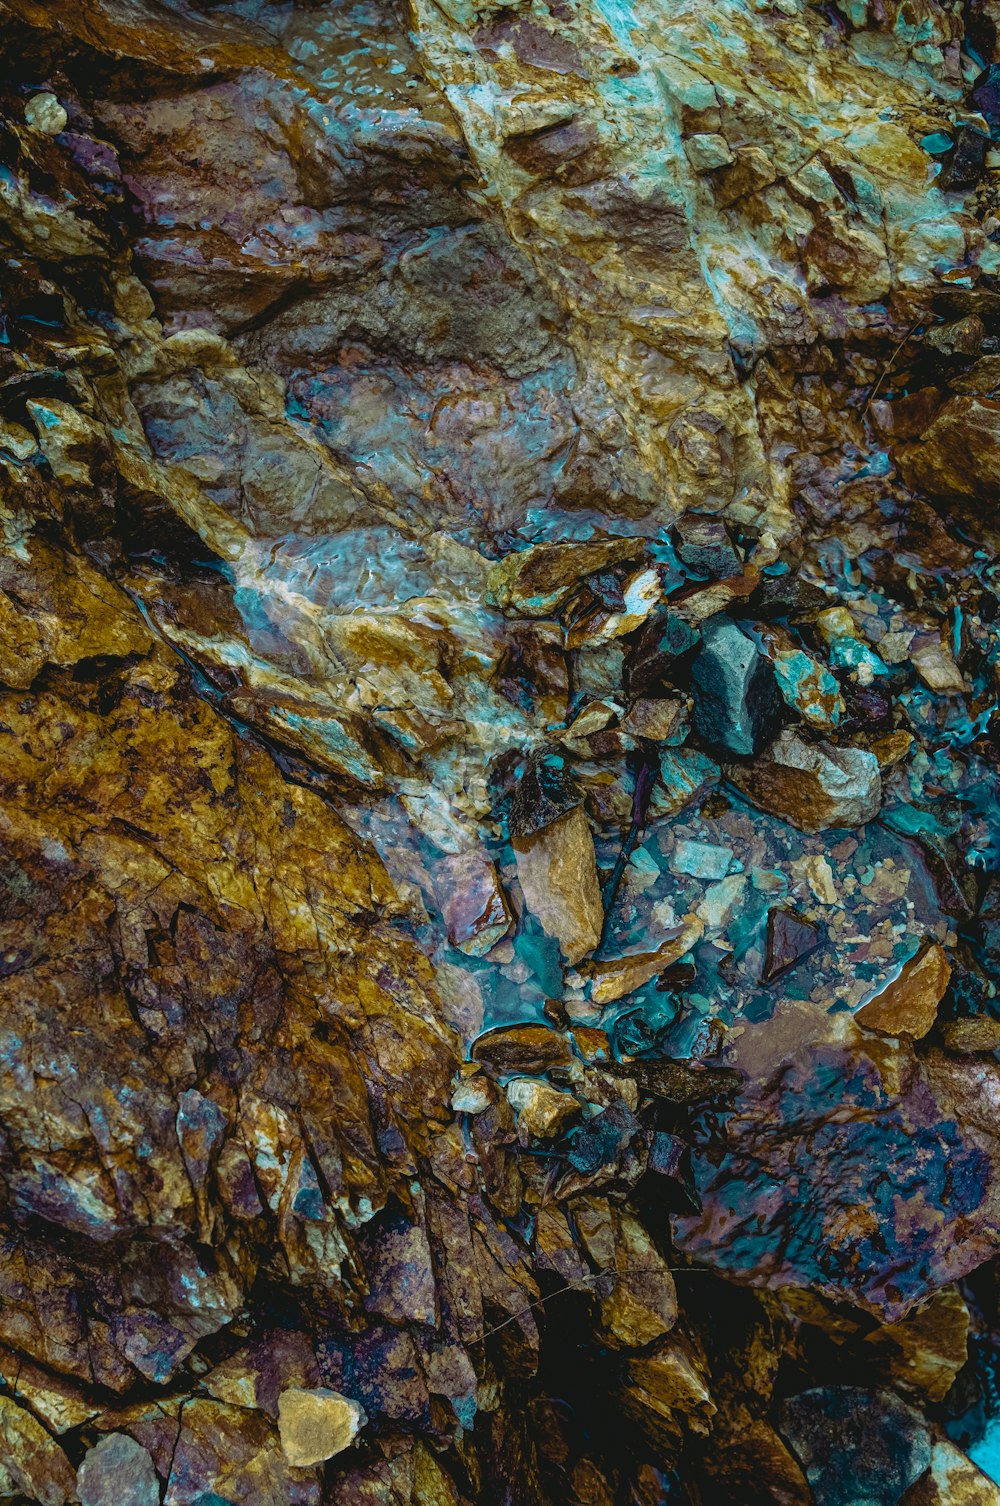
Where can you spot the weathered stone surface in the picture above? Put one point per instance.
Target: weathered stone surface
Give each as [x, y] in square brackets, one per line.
[851, 1441]
[895, 1121]
[390, 405]
[472, 902]
[117, 1469]
[813, 785]
[542, 1111]
[958, 454]
[316, 1425]
[557, 871]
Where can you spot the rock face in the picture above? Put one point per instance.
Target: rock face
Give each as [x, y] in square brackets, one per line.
[499, 867]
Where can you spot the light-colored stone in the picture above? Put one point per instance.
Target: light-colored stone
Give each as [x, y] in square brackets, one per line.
[707, 151]
[542, 1111]
[938, 670]
[557, 870]
[813, 786]
[44, 113]
[315, 1425]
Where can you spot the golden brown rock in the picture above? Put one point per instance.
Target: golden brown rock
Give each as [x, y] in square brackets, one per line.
[32, 1465]
[613, 977]
[557, 871]
[542, 1111]
[316, 1425]
[908, 1005]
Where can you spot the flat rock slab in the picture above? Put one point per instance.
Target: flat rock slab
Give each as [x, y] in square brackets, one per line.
[845, 1164]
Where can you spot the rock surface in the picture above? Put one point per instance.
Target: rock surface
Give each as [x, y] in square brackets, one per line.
[316, 1425]
[498, 681]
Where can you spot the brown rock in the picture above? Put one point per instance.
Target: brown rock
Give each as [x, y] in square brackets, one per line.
[960, 451]
[952, 1480]
[522, 1048]
[32, 1464]
[614, 977]
[813, 785]
[557, 870]
[642, 1304]
[315, 1425]
[926, 1349]
[656, 720]
[908, 1005]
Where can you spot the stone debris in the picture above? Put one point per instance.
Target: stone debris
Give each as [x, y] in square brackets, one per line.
[613, 977]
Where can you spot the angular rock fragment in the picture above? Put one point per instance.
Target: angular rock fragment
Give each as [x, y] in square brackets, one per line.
[557, 871]
[472, 901]
[909, 1004]
[536, 581]
[736, 701]
[813, 786]
[656, 719]
[613, 977]
[952, 1480]
[542, 1111]
[117, 1469]
[315, 1425]
[850, 1441]
[958, 454]
[704, 545]
[790, 938]
[32, 1465]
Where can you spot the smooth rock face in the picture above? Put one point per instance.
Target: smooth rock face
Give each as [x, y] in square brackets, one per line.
[736, 701]
[557, 871]
[813, 785]
[909, 1004]
[117, 1469]
[316, 1425]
